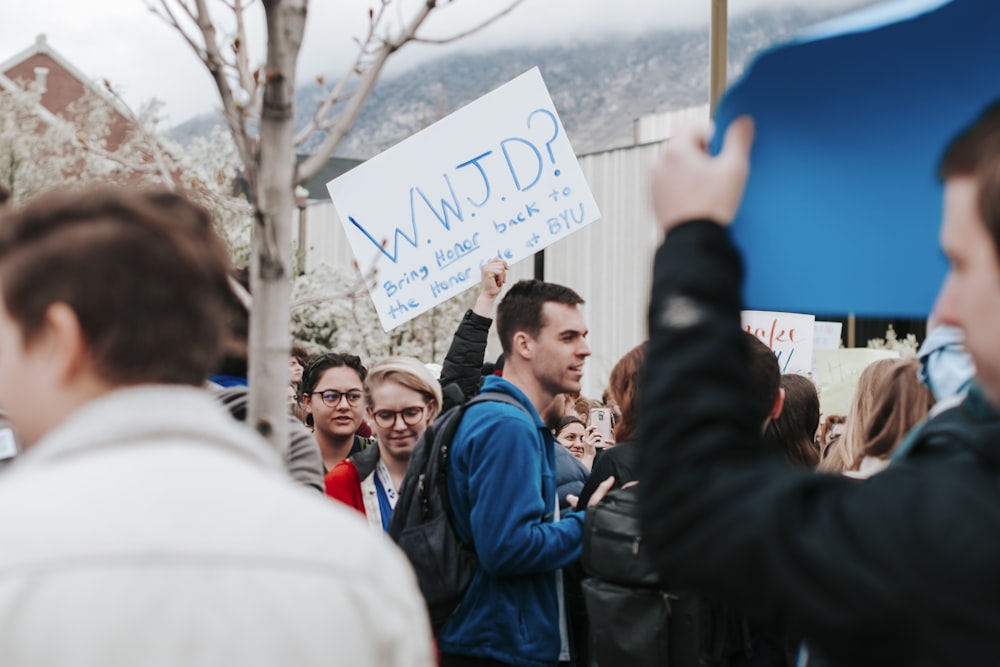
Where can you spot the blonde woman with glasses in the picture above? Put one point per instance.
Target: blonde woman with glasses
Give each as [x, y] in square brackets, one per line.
[403, 398]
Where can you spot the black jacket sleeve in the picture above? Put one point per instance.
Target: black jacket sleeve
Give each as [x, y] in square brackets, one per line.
[463, 365]
[854, 567]
[620, 461]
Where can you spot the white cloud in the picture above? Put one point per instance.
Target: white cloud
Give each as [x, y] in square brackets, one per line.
[122, 41]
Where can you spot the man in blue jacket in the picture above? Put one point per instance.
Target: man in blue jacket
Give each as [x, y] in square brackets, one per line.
[502, 488]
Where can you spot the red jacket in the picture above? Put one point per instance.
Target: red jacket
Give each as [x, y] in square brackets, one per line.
[344, 484]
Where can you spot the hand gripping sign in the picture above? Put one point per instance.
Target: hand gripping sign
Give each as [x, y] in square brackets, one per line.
[497, 178]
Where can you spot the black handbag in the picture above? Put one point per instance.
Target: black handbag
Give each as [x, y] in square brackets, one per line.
[635, 618]
[613, 548]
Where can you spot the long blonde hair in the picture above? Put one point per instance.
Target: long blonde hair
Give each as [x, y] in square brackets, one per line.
[843, 453]
[903, 402]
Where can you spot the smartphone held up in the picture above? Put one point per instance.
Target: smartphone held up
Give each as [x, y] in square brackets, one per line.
[600, 421]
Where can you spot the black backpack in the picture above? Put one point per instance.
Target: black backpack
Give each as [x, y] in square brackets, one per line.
[421, 523]
[636, 619]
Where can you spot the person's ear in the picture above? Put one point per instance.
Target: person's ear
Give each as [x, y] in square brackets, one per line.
[63, 341]
[779, 403]
[523, 345]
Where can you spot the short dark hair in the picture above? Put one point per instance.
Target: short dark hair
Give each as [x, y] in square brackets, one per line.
[301, 354]
[975, 151]
[316, 367]
[566, 421]
[143, 271]
[765, 376]
[521, 308]
[793, 433]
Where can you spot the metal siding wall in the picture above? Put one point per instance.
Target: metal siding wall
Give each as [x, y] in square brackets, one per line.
[325, 238]
[609, 262]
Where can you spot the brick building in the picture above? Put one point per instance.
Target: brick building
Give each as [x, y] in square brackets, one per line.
[61, 84]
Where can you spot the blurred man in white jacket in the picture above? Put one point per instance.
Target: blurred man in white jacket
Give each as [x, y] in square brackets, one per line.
[142, 525]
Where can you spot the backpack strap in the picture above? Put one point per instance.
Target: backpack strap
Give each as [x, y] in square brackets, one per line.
[499, 397]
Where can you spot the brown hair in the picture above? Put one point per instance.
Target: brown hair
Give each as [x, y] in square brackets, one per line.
[521, 308]
[974, 152]
[843, 453]
[144, 273]
[566, 421]
[792, 434]
[827, 429]
[764, 375]
[903, 402]
[301, 354]
[624, 387]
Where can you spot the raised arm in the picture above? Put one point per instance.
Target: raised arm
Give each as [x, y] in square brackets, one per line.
[464, 362]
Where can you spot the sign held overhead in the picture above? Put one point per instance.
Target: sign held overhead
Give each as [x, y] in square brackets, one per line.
[497, 178]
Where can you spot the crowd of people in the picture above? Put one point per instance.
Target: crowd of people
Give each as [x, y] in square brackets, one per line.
[145, 525]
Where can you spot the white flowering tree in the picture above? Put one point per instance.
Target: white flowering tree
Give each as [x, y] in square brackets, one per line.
[40, 151]
[258, 105]
[907, 347]
[349, 322]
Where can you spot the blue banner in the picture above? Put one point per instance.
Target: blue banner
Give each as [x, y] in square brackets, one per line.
[843, 205]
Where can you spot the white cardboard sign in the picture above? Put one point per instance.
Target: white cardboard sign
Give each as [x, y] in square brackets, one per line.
[789, 335]
[497, 178]
[827, 335]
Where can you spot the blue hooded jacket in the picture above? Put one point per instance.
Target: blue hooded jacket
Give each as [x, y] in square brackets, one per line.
[502, 488]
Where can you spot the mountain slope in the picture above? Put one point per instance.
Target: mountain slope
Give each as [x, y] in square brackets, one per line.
[599, 87]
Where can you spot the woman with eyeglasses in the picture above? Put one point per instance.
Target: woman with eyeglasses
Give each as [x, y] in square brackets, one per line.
[403, 398]
[333, 396]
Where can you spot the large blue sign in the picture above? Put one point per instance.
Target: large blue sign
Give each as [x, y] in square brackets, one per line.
[843, 206]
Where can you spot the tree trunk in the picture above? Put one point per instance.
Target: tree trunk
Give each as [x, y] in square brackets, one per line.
[271, 257]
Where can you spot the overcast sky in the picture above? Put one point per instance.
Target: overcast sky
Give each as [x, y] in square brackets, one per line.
[122, 41]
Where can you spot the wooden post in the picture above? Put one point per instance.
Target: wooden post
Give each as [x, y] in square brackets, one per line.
[851, 324]
[718, 58]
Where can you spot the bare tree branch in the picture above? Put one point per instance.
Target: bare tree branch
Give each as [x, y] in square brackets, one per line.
[168, 16]
[345, 120]
[249, 81]
[471, 31]
[356, 289]
[208, 52]
[319, 119]
[117, 158]
[150, 140]
[311, 165]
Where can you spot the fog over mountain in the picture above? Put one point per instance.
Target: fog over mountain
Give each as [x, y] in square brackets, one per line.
[599, 87]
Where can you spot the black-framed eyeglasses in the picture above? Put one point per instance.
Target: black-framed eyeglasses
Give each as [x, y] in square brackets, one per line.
[331, 397]
[411, 416]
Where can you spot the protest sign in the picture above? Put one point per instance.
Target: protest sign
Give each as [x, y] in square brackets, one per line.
[789, 335]
[837, 372]
[851, 119]
[497, 178]
[826, 335]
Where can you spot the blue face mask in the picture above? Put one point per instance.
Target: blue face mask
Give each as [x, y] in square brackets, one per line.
[945, 367]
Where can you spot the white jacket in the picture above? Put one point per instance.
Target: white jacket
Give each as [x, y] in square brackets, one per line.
[152, 529]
